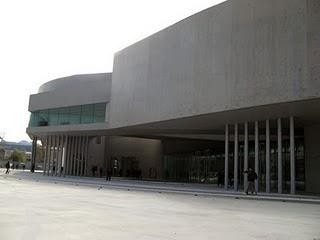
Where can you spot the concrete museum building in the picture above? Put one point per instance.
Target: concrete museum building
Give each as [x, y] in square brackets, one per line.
[231, 87]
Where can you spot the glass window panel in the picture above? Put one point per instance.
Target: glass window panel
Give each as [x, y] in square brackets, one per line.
[74, 116]
[34, 119]
[99, 112]
[53, 117]
[43, 118]
[91, 113]
[64, 116]
[87, 113]
[31, 122]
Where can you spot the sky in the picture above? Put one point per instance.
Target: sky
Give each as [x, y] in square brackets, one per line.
[41, 40]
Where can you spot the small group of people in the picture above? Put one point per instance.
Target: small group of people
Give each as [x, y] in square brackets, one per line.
[13, 166]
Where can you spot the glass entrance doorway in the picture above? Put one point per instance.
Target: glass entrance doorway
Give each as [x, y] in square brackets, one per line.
[202, 167]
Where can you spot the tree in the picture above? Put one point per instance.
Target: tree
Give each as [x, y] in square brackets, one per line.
[18, 156]
[2, 153]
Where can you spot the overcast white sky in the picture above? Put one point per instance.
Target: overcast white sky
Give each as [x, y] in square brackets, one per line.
[41, 40]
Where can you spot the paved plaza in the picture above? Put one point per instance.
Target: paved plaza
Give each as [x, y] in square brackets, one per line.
[40, 207]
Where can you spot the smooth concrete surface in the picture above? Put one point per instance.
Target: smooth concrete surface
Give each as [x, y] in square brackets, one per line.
[238, 54]
[34, 209]
[313, 37]
[96, 154]
[71, 91]
[147, 153]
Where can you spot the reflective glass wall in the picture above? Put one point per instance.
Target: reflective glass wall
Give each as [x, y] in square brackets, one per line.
[207, 166]
[202, 166]
[83, 114]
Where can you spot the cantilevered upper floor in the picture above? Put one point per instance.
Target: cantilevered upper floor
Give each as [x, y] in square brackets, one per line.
[79, 101]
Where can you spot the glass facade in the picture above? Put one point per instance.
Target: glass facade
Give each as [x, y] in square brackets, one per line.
[83, 114]
[206, 166]
[202, 166]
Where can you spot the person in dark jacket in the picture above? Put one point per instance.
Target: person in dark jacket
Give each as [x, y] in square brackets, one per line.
[252, 176]
[220, 176]
[108, 175]
[8, 167]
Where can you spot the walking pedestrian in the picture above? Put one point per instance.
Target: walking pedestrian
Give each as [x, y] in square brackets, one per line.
[8, 167]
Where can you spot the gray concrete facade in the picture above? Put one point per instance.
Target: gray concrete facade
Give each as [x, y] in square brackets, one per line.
[241, 79]
[238, 54]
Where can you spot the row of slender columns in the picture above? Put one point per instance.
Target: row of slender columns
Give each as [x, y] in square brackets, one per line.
[256, 162]
[65, 155]
[76, 155]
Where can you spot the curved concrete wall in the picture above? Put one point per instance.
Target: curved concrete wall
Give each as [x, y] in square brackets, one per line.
[71, 91]
[238, 54]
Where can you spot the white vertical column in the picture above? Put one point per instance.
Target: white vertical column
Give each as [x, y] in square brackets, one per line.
[58, 155]
[49, 155]
[68, 160]
[279, 155]
[256, 153]
[70, 163]
[75, 156]
[236, 142]
[45, 155]
[82, 155]
[54, 156]
[245, 162]
[267, 156]
[87, 156]
[61, 154]
[64, 156]
[72, 155]
[292, 159]
[78, 157]
[226, 158]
